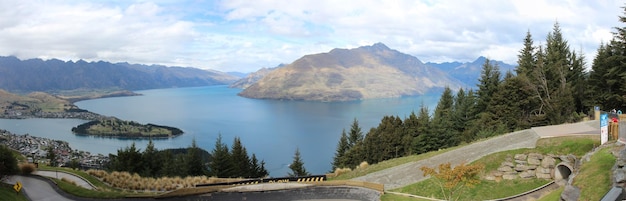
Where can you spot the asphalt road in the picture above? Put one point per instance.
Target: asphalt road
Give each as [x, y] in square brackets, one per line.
[37, 189]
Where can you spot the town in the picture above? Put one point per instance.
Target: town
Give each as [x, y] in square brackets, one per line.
[36, 150]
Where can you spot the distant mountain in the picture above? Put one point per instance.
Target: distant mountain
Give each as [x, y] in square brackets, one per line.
[238, 74]
[253, 77]
[469, 72]
[39, 75]
[351, 74]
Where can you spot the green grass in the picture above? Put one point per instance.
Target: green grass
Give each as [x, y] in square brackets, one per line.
[394, 197]
[553, 196]
[594, 178]
[103, 190]
[390, 163]
[82, 192]
[7, 193]
[577, 145]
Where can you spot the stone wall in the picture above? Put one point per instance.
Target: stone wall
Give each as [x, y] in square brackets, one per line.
[525, 166]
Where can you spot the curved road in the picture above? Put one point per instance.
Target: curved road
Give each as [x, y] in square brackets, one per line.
[410, 173]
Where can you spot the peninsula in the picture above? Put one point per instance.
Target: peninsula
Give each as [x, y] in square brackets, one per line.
[114, 127]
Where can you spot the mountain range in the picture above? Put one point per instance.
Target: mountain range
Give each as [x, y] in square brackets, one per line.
[366, 72]
[50, 75]
[469, 72]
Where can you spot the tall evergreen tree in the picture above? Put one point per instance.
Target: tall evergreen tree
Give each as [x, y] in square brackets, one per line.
[488, 84]
[356, 135]
[342, 148]
[526, 57]
[152, 161]
[195, 166]
[442, 134]
[297, 166]
[257, 168]
[239, 158]
[420, 143]
[411, 126]
[221, 165]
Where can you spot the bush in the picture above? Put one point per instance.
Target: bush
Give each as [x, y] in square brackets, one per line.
[8, 163]
[340, 171]
[363, 165]
[27, 168]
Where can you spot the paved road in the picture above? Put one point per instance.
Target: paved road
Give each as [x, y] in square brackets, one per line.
[59, 175]
[37, 189]
[410, 173]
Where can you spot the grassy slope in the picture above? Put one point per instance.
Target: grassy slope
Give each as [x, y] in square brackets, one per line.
[577, 145]
[7, 193]
[593, 179]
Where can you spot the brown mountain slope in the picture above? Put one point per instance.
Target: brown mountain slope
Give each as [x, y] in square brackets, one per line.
[351, 74]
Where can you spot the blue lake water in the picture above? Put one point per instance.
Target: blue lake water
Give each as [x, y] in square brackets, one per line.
[272, 129]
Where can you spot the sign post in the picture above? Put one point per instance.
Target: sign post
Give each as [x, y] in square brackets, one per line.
[604, 128]
[17, 187]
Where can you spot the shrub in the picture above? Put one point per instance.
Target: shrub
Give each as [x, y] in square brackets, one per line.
[363, 165]
[340, 171]
[27, 168]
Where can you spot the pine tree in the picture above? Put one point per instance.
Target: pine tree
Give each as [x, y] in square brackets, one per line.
[169, 166]
[297, 166]
[342, 148]
[221, 165]
[257, 169]
[526, 58]
[152, 162]
[488, 84]
[411, 125]
[442, 135]
[419, 143]
[240, 159]
[195, 166]
[356, 135]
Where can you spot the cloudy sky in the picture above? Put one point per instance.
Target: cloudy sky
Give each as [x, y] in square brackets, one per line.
[245, 35]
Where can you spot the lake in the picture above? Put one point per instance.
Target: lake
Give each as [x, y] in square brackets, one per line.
[272, 129]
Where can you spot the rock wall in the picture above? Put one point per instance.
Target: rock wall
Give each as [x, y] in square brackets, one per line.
[525, 166]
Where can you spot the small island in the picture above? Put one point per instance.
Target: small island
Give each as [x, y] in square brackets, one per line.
[114, 127]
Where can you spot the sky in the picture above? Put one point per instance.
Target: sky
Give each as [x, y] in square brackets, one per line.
[246, 35]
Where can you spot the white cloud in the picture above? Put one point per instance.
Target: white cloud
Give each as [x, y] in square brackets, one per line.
[242, 35]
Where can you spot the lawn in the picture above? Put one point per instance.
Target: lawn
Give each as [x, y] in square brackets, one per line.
[594, 178]
[577, 145]
[7, 193]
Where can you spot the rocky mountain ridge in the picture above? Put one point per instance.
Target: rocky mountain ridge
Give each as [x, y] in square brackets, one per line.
[366, 72]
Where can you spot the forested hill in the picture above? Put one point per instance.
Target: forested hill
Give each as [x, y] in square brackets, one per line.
[39, 75]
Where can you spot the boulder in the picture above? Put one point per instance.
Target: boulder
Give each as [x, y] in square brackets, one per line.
[533, 161]
[548, 162]
[542, 170]
[505, 169]
[527, 174]
[490, 178]
[620, 176]
[535, 156]
[508, 163]
[532, 167]
[542, 175]
[497, 174]
[521, 168]
[520, 157]
[523, 162]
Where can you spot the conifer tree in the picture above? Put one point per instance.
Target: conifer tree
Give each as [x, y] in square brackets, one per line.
[442, 135]
[257, 169]
[221, 165]
[195, 166]
[419, 143]
[356, 135]
[342, 148]
[240, 159]
[152, 161]
[526, 58]
[297, 166]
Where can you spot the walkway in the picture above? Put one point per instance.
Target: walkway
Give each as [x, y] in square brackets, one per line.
[59, 175]
[410, 173]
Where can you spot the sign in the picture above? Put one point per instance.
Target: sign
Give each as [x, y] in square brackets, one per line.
[604, 128]
[17, 187]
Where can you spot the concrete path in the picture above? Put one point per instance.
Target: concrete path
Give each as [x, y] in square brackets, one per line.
[410, 173]
[37, 189]
[59, 175]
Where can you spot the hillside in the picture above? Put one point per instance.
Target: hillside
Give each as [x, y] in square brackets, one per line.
[253, 77]
[351, 74]
[469, 72]
[53, 75]
[39, 105]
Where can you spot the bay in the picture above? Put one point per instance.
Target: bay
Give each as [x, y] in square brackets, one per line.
[272, 129]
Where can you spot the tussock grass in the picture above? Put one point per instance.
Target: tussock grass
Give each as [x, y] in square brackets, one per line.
[125, 180]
